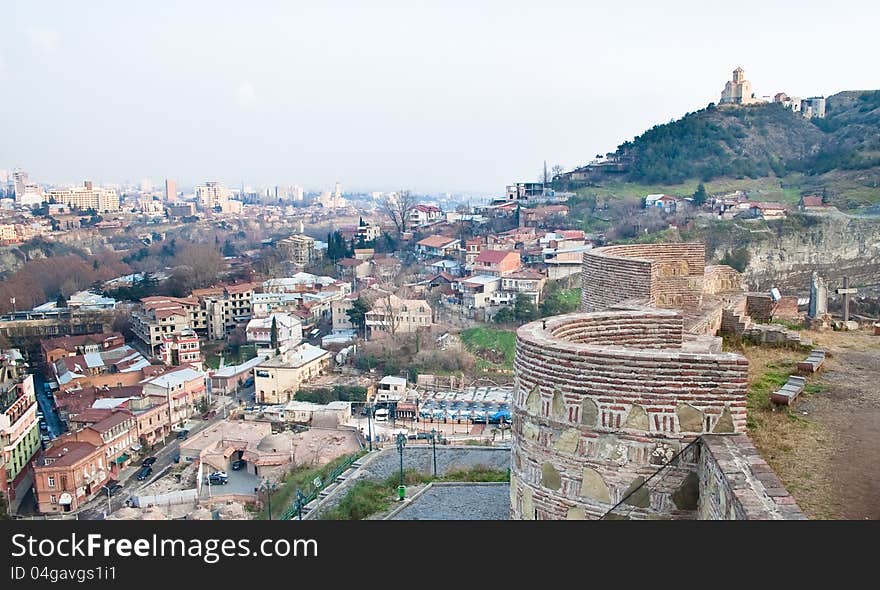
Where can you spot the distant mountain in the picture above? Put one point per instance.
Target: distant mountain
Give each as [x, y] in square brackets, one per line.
[753, 142]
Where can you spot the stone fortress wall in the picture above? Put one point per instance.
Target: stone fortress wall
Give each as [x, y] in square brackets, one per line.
[664, 275]
[604, 400]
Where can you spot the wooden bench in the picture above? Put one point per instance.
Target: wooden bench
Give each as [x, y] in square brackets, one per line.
[789, 392]
[813, 362]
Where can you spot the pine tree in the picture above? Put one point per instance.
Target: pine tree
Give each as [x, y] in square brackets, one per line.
[273, 334]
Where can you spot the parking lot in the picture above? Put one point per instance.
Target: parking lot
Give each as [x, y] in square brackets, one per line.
[238, 482]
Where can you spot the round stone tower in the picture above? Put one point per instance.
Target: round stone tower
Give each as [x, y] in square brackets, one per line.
[604, 399]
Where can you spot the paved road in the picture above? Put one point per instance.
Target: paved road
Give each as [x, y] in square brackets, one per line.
[56, 428]
[96, 508]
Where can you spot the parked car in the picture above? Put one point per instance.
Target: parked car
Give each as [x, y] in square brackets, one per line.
[144, 472]
[220, 474]
[217, 479]
[182, 434]
[113, 487]
[149, 461]
[239, 465]
[176, 458]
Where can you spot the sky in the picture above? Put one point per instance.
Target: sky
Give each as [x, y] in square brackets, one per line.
[460, 97]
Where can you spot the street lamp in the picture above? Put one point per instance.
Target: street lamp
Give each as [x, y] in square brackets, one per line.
[434, 445]
[109, 508]
[401, 442]
[268, 488]
[370, 424]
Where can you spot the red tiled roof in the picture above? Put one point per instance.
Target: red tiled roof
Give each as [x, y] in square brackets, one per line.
[436, 241]
[813, 201]
[495, 256]
[69, 452]
[116, 418]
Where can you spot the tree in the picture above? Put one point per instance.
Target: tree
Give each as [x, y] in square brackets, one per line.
[523, 308]
[273, 334]
[357, 314]
[398, 207]
[505, 315]
[700, 196]
[61, 301]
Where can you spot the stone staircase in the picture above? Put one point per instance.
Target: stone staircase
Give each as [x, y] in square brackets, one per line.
[737, 323]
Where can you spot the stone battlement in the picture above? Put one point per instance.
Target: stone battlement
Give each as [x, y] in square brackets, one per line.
[603, 399]
[667, 275]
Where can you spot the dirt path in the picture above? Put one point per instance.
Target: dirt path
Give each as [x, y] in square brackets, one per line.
[826, 448]
[849, 408]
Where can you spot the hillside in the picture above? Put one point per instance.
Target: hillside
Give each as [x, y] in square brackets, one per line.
[838, 155]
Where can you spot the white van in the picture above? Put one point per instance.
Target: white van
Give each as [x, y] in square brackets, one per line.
[381, 415]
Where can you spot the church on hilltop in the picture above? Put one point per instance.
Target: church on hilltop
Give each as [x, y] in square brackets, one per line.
[738, 90]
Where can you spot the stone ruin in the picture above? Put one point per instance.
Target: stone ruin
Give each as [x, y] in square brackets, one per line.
[621, 411]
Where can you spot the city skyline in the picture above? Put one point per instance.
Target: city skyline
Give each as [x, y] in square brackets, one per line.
[453, 99]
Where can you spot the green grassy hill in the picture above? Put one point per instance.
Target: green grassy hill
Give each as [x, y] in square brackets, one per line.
[767, 150]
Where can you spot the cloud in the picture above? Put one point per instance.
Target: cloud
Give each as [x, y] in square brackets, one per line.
[42, 39]
[245, 95]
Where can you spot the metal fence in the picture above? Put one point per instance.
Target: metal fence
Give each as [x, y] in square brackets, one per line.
[302, 498]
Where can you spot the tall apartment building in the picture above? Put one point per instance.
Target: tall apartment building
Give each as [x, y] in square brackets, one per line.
[19, 430]
[212, 194]
[86, 197]
[170, 189]
[299, 248]
[163, 316]
[212, 312]
[26, 193]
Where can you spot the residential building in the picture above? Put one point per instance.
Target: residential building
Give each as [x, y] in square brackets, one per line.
[19, 429]
[812, 203]
[476, 291]
[368, 231]
[288, 328]
[277, 379]
[181, 348]
[525, 281]
[55, 348]
[162, 316]
[422, 215]
[391, 389]
[212, 195]
[472, 249]
[113, 430]
[524, 192]
[441, 246]
[497, 262]
[299, 248]
[85, 197]
[170, 190]
[392, 315]
[182, 389]
[68, 474]
[229, 379]
[113, 367]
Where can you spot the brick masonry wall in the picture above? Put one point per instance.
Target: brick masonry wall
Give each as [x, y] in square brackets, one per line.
[593, 415]
[668, 275]
[737, 484]
[720, 278]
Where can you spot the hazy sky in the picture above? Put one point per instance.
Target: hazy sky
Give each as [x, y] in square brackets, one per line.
[380, 95]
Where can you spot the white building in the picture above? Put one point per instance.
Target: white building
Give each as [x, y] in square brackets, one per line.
[259, 332]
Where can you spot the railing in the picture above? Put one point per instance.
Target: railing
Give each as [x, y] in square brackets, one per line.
[303, 499]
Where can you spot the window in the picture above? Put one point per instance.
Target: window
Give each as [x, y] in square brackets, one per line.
[51, 481]
[53, 498]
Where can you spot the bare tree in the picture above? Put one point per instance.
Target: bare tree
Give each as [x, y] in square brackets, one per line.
[398, 207]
